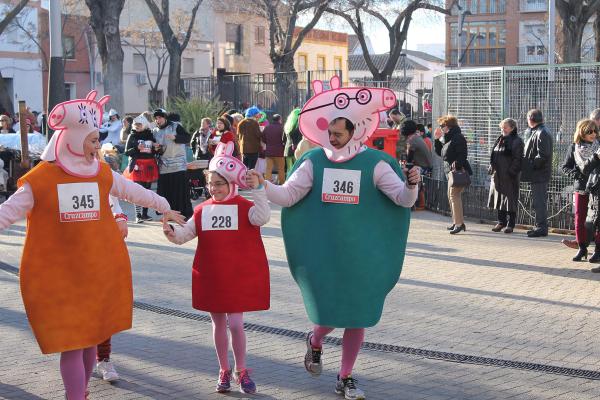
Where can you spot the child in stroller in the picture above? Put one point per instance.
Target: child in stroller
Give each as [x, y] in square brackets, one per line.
[196, 179]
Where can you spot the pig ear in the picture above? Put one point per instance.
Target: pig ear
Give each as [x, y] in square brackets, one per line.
[104, 100]
[335, 82]
[220, 150]
[91, 95]
[229, 146]
[317, 86]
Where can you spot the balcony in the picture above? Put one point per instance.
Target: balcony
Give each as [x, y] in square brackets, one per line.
[533, 54]
[534, 5]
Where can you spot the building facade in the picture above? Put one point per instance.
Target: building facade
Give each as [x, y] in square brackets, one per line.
[503, 32]
[322, 50]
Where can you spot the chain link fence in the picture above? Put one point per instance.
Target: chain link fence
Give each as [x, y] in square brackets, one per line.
[481, 98]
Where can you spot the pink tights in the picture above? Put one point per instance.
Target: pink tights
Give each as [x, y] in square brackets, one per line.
[238, 339]
[351, 342]
[76, 368]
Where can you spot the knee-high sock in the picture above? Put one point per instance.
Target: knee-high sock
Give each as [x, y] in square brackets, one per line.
[353, 338]
[219, 324]
[89, 359]
[73, 375]
[319, 332]
[238, 339]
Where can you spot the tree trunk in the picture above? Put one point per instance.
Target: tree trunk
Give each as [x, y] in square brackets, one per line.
[572, 36]
[104, 19]
[597, 36]
[6, 104]
[174, 89]
[286, 84]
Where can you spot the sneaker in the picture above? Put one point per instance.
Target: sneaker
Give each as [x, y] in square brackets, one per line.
[347, 387]
[146, 218]
[138, 219]
[107, 370]
[242, 378]
[223, 384]
[312, 358]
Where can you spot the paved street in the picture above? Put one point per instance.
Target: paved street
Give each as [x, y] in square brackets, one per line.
[478, 293]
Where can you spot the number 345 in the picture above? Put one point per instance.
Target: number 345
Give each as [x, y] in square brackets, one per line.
[83, 201]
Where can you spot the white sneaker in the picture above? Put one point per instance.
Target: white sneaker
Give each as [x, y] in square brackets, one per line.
[107, 370]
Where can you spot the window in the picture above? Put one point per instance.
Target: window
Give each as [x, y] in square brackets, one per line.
[233, 37]
[69, 47]
[70, 92]
[302, 61]
[337, 63]
[481, 43]
[259, 35]
[321, 63]
[138, 62]
[188, 65]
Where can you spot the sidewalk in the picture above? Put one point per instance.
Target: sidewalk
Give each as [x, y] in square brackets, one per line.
[476, 293]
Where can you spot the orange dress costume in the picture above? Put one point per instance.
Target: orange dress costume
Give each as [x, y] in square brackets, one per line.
[64, 261]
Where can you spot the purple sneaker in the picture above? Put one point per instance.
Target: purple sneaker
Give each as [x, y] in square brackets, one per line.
[223, 384]
[246, 384]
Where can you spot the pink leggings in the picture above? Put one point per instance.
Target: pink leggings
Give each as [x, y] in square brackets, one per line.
[76, 368]
[238, 339]
[351, 342]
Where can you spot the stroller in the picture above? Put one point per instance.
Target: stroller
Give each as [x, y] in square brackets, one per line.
[196, 179]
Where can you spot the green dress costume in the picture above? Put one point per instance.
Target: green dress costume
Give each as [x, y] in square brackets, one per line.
[345, 257]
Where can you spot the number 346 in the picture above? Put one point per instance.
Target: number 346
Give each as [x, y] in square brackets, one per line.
[343, 187]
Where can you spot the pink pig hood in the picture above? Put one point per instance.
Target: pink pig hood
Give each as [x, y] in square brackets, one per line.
[361, 105]
[229, 167]
[72, 121]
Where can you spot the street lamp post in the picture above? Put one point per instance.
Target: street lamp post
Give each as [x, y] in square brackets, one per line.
[404, 84]
[461, 21]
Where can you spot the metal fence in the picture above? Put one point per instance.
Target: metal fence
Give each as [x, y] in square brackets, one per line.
[481, 98]
[281, 92]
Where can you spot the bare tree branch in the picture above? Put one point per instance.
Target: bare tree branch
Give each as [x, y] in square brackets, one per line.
[12, 14]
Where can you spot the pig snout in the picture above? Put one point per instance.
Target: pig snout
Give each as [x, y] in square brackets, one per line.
[388, 98]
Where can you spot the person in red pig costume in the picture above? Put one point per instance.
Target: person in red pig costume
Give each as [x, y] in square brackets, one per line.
[350, 205]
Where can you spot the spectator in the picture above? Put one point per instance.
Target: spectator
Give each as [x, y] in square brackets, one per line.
[200, 139]
[405, 108]
[223, 134]
[127, 128]
[6, 124]
[418, 154]
[451, 145]
[537, 168]
[172, 180]
[249, 137]
[423, 133]
[505, 168]
[292, 138]
[273, 137]
[110, 132]
[396, 118]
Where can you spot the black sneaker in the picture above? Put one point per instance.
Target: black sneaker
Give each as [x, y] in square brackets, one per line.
[312, 358]
[347, 387]
[146, 218]
[139, 219]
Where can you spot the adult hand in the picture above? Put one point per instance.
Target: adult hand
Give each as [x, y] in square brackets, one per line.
[174, 216]
[438, 133]
[254, 179]
[414, 176]
[122, 225]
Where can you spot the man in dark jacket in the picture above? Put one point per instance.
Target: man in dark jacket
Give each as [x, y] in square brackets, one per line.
[537, 169]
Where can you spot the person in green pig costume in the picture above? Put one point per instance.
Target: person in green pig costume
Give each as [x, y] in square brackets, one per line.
[345, 221]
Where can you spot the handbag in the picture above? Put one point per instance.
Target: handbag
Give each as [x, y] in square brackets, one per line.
[459, 178]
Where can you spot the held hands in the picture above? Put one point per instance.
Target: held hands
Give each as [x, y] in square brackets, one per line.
[414, 176]
[122, 225]
[254, 179]
[167, 228]
[174, 216]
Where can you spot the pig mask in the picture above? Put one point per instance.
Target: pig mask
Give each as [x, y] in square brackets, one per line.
[229, 167]
[72, 121]
[361, 105]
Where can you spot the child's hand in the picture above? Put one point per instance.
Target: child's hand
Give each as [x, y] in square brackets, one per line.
[174, 216]
[123, 228]
[167, 229]
[254, 179]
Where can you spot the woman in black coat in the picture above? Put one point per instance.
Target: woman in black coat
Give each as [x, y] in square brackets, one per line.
[505, 168]
[451, 145]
